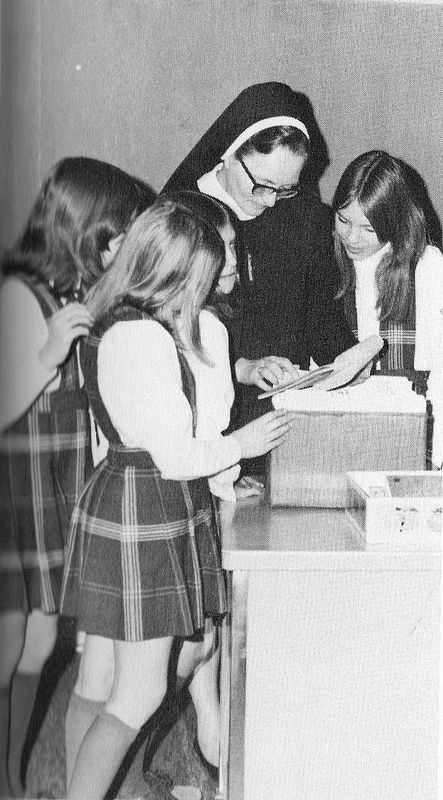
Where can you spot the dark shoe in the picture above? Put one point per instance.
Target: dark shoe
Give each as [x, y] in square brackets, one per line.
[211, 769]
[160, 785]
[161, 723]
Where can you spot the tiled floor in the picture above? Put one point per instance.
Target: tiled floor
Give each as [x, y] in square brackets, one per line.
[174, 763]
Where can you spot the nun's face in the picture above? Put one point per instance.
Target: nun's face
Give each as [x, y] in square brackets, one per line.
[280, 169]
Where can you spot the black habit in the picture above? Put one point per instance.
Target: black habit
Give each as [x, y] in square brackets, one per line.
[285, 256]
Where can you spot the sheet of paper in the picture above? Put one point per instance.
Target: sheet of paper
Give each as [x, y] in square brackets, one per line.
[380, 393]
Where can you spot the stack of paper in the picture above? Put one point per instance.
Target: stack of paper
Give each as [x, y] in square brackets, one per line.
[331, 376]
[380, 393]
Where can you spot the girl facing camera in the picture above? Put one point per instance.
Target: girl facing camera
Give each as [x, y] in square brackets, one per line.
[392, 276]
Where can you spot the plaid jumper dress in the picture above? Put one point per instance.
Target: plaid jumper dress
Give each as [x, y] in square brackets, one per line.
[45, 458]
[397, 357]
[143, 558]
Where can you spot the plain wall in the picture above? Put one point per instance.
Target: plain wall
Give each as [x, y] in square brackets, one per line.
[136, 82]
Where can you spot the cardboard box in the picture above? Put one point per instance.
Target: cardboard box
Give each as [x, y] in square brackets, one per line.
[342, 432]
[397, 508]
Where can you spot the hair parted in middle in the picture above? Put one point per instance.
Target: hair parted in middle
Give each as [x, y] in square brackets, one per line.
[166, 266]
[377, 181]
[267, 140]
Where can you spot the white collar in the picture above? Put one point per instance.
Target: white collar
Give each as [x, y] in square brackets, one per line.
[365, 268]
[209, 184]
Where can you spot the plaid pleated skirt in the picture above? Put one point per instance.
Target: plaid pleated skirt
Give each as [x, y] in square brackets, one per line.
[45, 459]
[143, 557]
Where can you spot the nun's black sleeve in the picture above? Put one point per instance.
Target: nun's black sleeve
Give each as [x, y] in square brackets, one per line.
[289, 307]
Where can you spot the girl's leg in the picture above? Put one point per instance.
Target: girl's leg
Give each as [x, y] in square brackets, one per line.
[203, 660]
[41, 634]
[12, 638]
[91, 691]
[132, 701]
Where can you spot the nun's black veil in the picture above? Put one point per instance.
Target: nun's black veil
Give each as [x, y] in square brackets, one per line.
[255, 103]
[258, 102]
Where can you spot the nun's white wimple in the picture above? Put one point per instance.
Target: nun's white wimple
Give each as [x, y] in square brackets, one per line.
[261, 125]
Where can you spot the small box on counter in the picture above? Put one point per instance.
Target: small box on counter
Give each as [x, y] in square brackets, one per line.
[395, 508]
[378, 425]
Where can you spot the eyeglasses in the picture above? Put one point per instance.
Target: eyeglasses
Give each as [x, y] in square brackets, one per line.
[261, 190]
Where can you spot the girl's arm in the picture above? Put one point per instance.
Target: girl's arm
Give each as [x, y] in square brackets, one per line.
[429, 337]
[140, 383]
[429, 320]
[214, 395]
[23, 333]
[32, 348]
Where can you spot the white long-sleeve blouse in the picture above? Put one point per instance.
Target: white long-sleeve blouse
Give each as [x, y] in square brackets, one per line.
[140, 383]
[429, 337]
[214, 395]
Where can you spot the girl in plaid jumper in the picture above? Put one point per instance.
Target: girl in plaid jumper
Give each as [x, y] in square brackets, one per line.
[143, 566]
[77, 221]
[392, 275]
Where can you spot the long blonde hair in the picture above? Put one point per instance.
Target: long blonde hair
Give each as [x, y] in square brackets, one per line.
[166, 266]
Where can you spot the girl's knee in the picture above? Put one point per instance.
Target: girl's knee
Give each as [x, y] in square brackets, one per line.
[134, 705]
[140, 680]
[12, 637]
[40, 638]
[96, 671]
[210, 641]
[208, 645]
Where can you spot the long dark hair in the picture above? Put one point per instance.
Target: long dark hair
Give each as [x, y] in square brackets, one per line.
[82, 204]
[377, 181]
[171, 255]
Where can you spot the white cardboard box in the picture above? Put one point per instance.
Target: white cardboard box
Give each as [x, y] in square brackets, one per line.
[379, 425]
[397, 508]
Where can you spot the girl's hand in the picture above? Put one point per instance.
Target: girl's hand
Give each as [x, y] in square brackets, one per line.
[248, 486]
[353, 365]
[64, 326]
[263, 434]
[343, 376]
[265, 372]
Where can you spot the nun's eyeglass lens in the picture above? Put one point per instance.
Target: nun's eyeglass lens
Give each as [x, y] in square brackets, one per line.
[261, 190]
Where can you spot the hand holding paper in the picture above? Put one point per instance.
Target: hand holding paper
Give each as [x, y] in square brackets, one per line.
[353, 365]
[263, 372]
[357, 361]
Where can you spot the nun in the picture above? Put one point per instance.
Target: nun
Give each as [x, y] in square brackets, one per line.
[255, 158]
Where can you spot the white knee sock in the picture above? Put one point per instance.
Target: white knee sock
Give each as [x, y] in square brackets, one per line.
[99, 757]
[79, 718]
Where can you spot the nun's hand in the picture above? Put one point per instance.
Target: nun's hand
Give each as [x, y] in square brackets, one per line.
[266, 372]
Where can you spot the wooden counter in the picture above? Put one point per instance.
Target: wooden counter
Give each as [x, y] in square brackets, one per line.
[329, 663]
